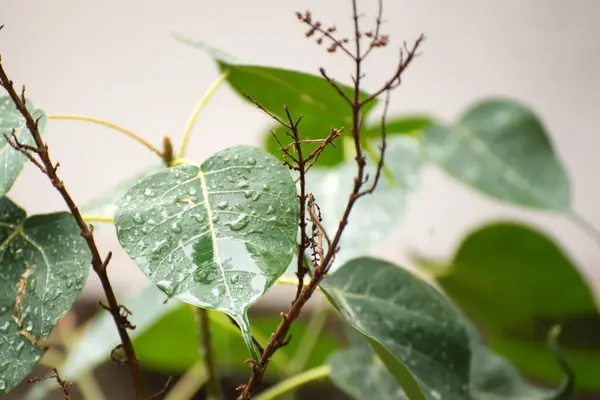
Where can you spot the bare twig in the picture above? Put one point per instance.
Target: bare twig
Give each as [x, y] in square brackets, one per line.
[324, 246]
[98, 264]
[215, 391]
[64, 386]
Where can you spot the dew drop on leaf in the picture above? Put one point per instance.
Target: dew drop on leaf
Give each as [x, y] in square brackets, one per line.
[222, 205]
[243, 184]
[148, 193]
[175, 227]
[166, 287]
[137, 217]
[239, 223]
[251, 161]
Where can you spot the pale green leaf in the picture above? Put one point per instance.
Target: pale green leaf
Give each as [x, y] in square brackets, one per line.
[12, 161]
[413, 329]
[501, 148]
[378, 213]
[217, 235]
[46, 257]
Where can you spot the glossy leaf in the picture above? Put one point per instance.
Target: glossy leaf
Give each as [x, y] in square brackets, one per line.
[12, 162]
[217, 235]
[360, 373]
[44, 263]
[412, 125]
[311, 96]
[516, 283]
[413, 329]
[378, 213]
[501, 148]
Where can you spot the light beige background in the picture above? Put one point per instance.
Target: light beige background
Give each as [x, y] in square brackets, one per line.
[116, 60]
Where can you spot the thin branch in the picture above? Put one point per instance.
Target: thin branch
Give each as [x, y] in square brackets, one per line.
[203, 101]
[64, 386]
[377, 40]
[215, 391]
[335, 85]
[98, 263]
[115, 127]
[317, 27]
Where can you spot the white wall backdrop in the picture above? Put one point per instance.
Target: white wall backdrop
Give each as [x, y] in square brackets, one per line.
[116, 60]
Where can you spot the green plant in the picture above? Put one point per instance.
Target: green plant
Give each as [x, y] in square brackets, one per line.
[214, 237]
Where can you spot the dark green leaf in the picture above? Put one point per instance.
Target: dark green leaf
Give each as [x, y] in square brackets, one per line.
[413, 329]
[216, 235]
[44, 263]
[378, 213]
[516, 284]
[311, 96]
[501, 148]
[172, 344]
[12, 161]
[411, 125]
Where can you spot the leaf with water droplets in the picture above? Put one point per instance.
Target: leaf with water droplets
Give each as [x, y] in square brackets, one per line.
[501, 148]
[204, 240]
[421, 338]
[44, 264]
[12, 162]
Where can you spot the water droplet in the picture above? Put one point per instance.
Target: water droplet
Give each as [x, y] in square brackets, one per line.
[69, 283]
[2, 384]
[239, 223]
[222, 205]
[235, 278]
[238, 207]
[3, 310]
[18, 254]
[205, 276]
[175, 227]
[137, 217]
[266, 187]
[192, 191]
[4, 326]
[148, 193]
[19, 348]
[256, 196]
[251, 161]
[199, 217]
[243, 184]
[29, 326]
[166, 287]
[270, 210]
[247, 193]
[215, 219]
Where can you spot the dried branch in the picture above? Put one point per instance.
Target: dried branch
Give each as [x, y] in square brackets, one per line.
[98, 263]
[64, 386]
[316, 27]
[324, 247]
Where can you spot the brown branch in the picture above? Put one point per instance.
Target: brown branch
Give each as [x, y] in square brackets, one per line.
[98, 264]
[316, 27]
[64, 386]
[324, 258]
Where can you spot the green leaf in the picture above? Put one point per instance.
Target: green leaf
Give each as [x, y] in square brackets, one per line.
[171, 345]
[378, 213]
[516, 283]
[361, 375]
[106, 204]
[311, 96]
[411, 125]
[12, 161]
[413, 329]
[44, 263]
[217, 235]
[501, 148]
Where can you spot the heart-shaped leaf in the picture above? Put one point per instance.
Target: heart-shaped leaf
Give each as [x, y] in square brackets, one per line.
[311, 96]
[217, 235]
[12, 161]
[378, 213]
[413, 329]
[516, 283]
[359, 372]
[501, 148]
[44, 263]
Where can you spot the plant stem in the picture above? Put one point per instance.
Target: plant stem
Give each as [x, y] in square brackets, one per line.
[294, 382]
[315, 327]
[207, 352]
[99, 264]
[376, 159]
[124, 131]
[186, 387]
[585, 226]
[99, 218]
[192, 120]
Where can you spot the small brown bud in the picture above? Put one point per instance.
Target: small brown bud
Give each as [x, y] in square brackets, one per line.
[331, 29]
[320, 40]
[369, 34]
